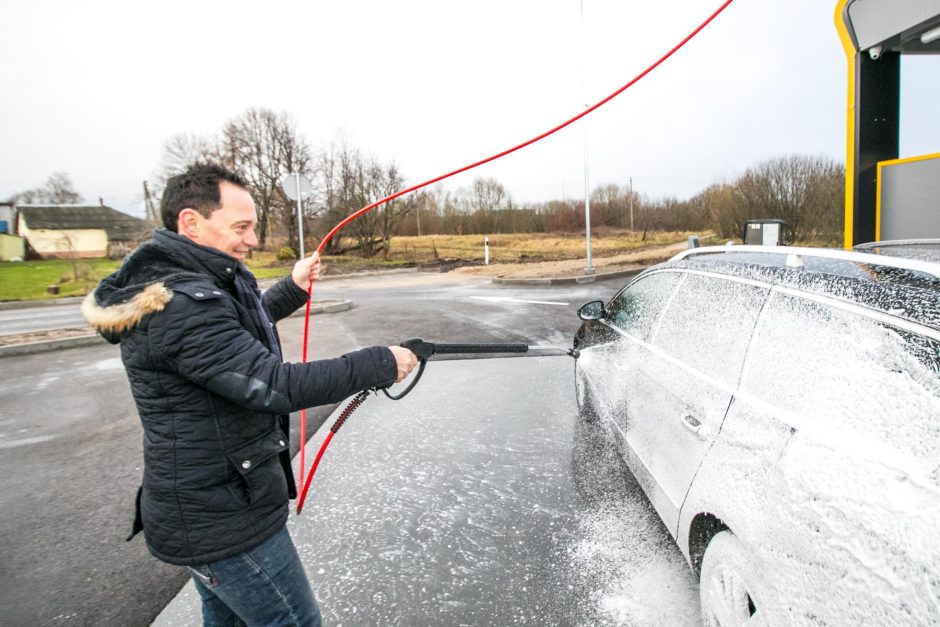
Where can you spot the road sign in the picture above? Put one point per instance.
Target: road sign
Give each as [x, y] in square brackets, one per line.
[295, 186]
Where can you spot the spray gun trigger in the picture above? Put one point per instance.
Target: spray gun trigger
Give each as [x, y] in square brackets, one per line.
[419, 347]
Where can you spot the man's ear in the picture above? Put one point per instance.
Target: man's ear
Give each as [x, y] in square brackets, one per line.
[188, 222]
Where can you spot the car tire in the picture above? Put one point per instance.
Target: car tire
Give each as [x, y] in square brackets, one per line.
[731, 587]
[587, 408]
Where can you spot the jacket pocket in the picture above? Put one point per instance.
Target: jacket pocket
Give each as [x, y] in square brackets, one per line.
[260, 469]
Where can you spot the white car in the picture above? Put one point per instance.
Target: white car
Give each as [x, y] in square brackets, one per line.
[780, 407]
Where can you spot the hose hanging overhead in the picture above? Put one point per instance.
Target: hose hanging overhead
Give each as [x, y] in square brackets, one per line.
[336, 229]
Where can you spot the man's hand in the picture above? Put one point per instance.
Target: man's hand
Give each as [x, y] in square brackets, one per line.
[305, 271]
[405, 360]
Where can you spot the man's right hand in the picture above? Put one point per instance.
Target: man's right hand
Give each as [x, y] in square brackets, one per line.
[405, 360]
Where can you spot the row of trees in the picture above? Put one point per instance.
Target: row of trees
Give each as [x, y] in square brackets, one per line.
[265, 146]
[806, 192]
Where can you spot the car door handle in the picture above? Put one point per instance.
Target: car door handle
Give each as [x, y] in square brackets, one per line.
[691, 423]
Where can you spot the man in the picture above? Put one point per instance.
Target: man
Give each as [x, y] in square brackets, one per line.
[203, 359]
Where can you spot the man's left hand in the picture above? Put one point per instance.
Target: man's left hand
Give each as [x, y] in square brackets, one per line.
[305, 271]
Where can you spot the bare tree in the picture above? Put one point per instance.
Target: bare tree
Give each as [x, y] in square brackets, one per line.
[57, 190]
[351, 181]
[182, 150]
[179, 152]
[488, 198]
[801, 190]
[265, 146]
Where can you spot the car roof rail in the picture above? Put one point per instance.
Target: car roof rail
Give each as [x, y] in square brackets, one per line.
[796, 254]
[896, 242]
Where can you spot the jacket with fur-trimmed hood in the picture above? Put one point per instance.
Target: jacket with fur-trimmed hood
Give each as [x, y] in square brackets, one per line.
[203, 359]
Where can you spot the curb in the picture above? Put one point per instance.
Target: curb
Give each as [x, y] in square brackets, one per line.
[45, 346]
[356, 275]
[50, 345]
[586, 278]
[46, 302]
[323, 307]
[264, 283]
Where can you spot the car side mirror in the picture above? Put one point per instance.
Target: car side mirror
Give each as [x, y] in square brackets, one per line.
[593, 310]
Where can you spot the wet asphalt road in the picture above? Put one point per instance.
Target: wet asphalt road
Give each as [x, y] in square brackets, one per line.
[13, 321]
[446, 508]
[71, 463]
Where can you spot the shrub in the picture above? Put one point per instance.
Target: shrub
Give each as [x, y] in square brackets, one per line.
[286, 253]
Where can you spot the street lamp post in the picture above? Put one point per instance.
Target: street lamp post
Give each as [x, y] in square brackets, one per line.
[587, 185]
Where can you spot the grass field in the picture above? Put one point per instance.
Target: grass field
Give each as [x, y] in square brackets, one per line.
[28, 280]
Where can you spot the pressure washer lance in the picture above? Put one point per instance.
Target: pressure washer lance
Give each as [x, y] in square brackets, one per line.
[423, 351]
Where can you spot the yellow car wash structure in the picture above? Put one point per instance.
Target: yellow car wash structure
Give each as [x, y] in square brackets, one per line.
[886, 198]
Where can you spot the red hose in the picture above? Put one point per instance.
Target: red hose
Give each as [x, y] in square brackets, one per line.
[336, 229]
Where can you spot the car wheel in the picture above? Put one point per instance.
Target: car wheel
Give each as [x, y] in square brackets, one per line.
[731, 587]
[587, 408]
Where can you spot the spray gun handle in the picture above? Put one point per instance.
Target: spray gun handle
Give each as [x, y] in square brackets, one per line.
[419, 347]
[424, 350]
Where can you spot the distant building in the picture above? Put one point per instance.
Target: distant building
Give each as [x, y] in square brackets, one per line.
[7, 218]
[68, 231]
[11, 246]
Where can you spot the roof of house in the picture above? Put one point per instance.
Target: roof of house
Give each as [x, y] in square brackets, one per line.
[117, 225]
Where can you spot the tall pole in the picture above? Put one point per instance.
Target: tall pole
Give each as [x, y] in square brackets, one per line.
[418, 214]
[631, 203]
[300, 214]
[587, 205]
[149, 207]
[587, 185]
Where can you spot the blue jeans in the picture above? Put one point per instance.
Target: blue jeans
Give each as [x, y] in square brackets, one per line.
[265, 585]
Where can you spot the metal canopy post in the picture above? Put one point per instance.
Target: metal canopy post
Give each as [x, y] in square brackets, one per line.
[877, 128]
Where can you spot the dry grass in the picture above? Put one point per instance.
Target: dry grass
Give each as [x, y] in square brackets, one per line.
[504, 249]
[523, 247]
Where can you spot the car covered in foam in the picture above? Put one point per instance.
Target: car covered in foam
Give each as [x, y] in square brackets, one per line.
[780, 408]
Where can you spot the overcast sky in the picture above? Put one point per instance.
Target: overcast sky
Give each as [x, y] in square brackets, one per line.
[94, 88]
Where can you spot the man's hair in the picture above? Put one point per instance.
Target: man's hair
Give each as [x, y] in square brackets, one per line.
[197, 188]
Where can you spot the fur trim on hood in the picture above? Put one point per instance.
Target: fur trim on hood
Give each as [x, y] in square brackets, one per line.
[144, 283]
[121, 317]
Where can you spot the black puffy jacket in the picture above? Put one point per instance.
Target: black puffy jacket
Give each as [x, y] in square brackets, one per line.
[203, 359]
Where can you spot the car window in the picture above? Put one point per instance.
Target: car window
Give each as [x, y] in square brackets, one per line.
[636, 308]
[708, 324]
[846, 373]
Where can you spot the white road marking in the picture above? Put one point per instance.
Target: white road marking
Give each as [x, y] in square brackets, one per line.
[507, 299]
[25, 441]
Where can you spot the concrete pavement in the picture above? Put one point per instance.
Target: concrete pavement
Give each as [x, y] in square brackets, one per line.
[479, 500]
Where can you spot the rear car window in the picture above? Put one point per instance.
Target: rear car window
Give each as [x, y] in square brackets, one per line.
[636, 308]
[848, 373]
[708, 324]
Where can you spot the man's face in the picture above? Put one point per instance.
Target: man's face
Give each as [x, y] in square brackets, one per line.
[231, 228]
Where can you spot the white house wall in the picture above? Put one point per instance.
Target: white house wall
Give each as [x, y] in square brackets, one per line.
[66, 243]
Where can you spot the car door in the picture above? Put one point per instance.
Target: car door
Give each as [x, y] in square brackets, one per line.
[611, 370]
[686, 379]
